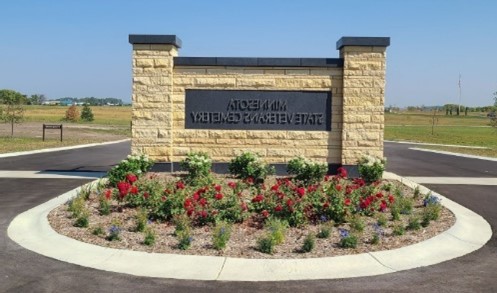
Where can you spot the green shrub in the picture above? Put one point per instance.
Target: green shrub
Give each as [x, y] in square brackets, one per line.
[198, 165]
[141, 220]
[76, 206]
[86, 113]
[306, 170]
[221, 235]
[266, 244]
[309, 243]
[98, 230]
[413, 223]
[357, 224]
[104, 206]
[136, 165]
[83, 220]
[371, 168]
[184, 239]
[376, 239]
[348, 242]
[324, 231]
[149, 239]
[398, 230]
[114, 233]
[277, 229]
[249, 165]
[402, 205]
[182, 223]
[382, 220]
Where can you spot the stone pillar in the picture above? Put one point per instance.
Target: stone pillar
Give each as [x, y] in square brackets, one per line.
[153, 62]
[363, 96]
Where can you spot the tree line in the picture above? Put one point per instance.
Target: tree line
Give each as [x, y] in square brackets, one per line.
[39, 99]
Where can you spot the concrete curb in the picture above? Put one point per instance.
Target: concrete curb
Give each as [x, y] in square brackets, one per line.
[455, 154]
[60, 149]
[32, 231]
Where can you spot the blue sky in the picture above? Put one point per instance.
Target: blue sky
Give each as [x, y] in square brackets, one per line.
[80, 48]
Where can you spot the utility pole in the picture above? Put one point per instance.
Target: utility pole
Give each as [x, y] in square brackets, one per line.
[459, 93]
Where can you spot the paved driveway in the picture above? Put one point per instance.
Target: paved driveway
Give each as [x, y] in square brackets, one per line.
[24, 271]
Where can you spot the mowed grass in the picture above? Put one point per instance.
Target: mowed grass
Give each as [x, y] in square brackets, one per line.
[103, 115]
[468, 130]
[19, 144]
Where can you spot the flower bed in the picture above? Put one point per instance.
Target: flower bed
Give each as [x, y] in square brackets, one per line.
[265, 217]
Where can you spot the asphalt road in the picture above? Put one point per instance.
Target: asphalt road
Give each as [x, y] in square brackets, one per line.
[24, 271]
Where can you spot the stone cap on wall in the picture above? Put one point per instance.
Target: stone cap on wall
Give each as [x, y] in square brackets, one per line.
[258, 62]
[363, 41]
[155, 39]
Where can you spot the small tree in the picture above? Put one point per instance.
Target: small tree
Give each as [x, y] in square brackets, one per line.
[86, 113]
[13, 109]
[434, 121]
[72, 114]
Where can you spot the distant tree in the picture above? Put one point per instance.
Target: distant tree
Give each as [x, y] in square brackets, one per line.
[72, 114]
[36, 99]
[434, 121]
[12, 110]
[495, 99]
[86, 113]
[466, 111]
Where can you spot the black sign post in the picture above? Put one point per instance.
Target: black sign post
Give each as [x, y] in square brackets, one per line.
[52, 126]
[258, 110]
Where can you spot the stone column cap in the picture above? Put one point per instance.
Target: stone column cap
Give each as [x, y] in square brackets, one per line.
[155, 39]
[363, 41]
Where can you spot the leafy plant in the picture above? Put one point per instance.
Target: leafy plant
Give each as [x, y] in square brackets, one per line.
[141, 220]
[114, 233]
[98, 230]
[413, 223]
[357, 224]
[398, 230]
[371, 168]
[249, 165]
[182, 223]
[306, 170]
[266, 244]
[324, 231]
[13, 109]
[382, 220]
[184, 239]
[149, 239]
[347, 240]
[86, 113]
[77, 206]
[198, 165]
[136, 165]
[83, 220]
[221, 235]
[277, 229]
[309, 243]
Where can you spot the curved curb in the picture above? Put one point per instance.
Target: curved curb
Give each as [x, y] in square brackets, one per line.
[32, 231]
[79, 146]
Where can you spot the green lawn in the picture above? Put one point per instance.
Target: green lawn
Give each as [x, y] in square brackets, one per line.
[103, 115]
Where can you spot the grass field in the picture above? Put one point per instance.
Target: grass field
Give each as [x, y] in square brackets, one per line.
[103, 115]
[111, 123]
[468, 130]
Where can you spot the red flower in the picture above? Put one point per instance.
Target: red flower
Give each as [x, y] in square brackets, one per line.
[327, 177]
[163, 198]
[196, 196]
[258, 198]
[232, 184]
[123, 188]
[217, 188]
[180, 185]
[289, 202]
[301, 191]
[265, 213]
[219, 196]
[108, 194]
[189, 212]
[348, 190]
[342, 172]
[249, 180]
[338, 187]
[275, 187]
[244, 206]
[347, 201]
[326, 205]
[383, 205]
[134, 190]
[145, 195]
[167, 191]
[203, 214]
[312, 188]
[379, 195]
[391, 199]
[188, 203]
[202, 202]
[131, 178]
[278, 208]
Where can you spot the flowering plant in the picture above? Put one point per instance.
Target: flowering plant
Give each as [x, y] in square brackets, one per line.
[198, 165]
[371, 168]
[135, 165]
[250, 166]
[306, 170]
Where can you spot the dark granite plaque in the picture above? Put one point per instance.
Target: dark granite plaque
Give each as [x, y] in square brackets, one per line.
[258, 110]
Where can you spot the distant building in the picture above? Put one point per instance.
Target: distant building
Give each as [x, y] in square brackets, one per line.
[50, 103]
[66, 102]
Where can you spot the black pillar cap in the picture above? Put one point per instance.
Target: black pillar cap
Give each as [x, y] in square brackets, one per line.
[363, 41]
[155, 39]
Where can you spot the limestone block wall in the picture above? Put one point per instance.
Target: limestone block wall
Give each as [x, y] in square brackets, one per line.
[356, 82]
